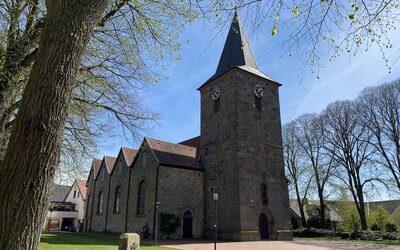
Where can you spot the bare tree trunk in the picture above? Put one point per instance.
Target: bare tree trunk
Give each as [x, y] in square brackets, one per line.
[322, 208]
[300, 201]
[26, 174]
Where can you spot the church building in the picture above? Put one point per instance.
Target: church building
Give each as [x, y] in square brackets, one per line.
[233, 171]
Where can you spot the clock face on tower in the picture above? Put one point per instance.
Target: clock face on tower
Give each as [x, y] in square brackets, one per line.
[216, 93]
[258, 91]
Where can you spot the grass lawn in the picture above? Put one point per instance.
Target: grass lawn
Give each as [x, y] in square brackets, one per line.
[396, 243]
[83, 241]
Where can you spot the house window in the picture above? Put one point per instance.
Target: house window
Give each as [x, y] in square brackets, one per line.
[100, 203]
[141, 198]
[264, 194]
[74, 193]
[117, 199]
[78, 194]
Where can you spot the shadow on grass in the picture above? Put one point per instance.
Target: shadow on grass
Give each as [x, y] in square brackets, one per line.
[69, 238]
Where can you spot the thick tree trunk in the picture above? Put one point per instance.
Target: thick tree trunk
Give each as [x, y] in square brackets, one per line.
[321, 207]
[26, 174]
[361, 208]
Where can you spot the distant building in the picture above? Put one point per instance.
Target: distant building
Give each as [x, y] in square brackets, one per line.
[77, 196]
[238, 156]
[66, 208]
[332, 210]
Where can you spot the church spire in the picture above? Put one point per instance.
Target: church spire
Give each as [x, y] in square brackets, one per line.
[237, 51]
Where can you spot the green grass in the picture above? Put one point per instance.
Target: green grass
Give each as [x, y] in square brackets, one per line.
[354, 241]
[83, 241]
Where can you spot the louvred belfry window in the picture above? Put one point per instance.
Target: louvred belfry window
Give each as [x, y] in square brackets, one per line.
[264, 194]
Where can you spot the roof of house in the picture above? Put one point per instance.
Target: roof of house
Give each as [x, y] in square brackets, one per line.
[173, 154]
[237, 53]
[294, 205]
[390, 205]
[110, 162]
[129, 154]
[82, 187]
[59, 192]
[192, 142]
[96, 164]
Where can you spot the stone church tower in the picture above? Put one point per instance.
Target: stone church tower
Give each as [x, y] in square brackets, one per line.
[241, 147]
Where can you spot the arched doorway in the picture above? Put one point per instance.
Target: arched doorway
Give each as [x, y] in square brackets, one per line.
[266, 225]
[187, 225]
[263, 224]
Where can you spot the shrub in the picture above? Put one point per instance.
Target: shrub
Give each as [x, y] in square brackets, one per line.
[295, 223]
[313, 232]
[169, 223]
[371, 235]
[344, 235]
[379, 235]
[375, 227]
[390, 227]
[391, 236]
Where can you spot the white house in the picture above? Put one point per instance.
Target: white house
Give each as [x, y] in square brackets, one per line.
[67, 213]
[77, 196]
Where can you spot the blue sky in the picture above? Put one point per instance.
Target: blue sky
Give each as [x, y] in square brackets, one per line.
[178, 102]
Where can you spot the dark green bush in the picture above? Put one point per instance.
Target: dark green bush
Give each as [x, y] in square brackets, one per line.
[371, 235]
[169, 223]
[379, 235]
[375, 227]
[313, 232]
[295, 223]
[390, 227]
[391, 236]
[344, 235]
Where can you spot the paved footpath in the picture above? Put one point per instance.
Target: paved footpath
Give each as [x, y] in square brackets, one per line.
[272, 245]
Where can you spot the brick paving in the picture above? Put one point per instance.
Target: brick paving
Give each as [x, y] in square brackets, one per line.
[298, 244]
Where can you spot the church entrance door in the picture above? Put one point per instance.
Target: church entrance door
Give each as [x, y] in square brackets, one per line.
[263, 221]
[187, 225]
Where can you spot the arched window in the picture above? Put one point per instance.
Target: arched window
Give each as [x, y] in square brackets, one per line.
[264, 194]
[117, 199]
[141, 198]
[100, 203]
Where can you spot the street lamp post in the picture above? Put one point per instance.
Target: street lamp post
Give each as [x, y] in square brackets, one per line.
[156, 228]
[215, 197]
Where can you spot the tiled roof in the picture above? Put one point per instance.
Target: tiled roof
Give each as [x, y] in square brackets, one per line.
[129, 154]
[59, 192]
[390, 205]
[82, 187]
[192, 142]
[110, 162]
[174, 154]
[96, 167]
